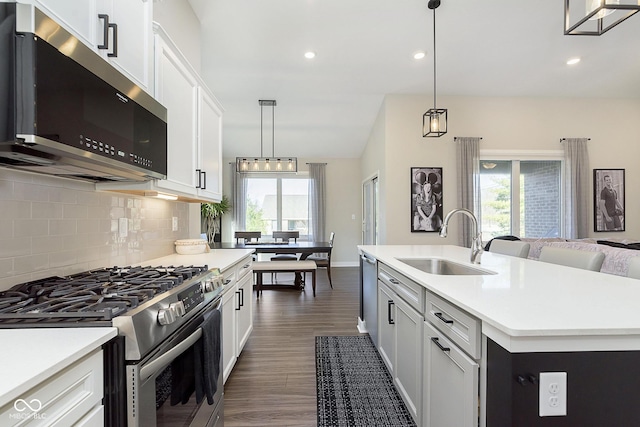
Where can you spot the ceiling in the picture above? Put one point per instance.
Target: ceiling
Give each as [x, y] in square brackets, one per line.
[326, 107]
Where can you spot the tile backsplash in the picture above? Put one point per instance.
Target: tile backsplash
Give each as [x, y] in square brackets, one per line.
[55, 226]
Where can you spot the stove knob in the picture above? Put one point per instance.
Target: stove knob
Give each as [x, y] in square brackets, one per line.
[178, 308]
[166, 316]
[209, 286]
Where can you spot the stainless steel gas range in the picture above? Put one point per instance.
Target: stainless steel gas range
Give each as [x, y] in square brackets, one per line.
[165, 366]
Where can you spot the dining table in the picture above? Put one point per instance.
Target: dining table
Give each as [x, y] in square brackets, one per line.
[303, 248]
[268, 247]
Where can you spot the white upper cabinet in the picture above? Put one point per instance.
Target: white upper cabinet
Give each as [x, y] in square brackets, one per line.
[177, 90]
[118, 30]
[210, 145]
[129, 37]
[194, 125]
[77, 17]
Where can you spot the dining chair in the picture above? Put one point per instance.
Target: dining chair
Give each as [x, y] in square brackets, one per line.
[513, 248]
[284, 236]
[247, 236]
[576, 258]
[324, 260]
[634, 267]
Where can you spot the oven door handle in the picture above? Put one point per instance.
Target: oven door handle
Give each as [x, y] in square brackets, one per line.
[154, 366]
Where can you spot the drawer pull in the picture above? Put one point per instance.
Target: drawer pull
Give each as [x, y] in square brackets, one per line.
[436, 342]
[394, 281]
[441, 317]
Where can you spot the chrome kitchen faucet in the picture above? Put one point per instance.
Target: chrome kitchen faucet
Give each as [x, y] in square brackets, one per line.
[476, 243]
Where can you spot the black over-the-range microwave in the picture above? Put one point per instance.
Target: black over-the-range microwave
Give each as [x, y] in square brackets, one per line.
[66, 111]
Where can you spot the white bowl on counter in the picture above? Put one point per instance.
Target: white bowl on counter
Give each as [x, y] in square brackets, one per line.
[191, 246]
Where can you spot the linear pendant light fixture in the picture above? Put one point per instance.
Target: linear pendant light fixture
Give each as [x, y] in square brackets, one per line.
[267, 164]
[596, 17]
[434, 121]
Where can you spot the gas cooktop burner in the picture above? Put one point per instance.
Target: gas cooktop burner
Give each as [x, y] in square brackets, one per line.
[92, 296]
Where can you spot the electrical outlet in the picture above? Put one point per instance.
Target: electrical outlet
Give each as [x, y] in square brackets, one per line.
[174, 223]
[553, 394]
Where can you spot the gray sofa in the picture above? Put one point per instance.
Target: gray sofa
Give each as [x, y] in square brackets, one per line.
[617, 252]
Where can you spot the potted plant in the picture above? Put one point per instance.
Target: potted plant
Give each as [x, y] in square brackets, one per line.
[211, 215]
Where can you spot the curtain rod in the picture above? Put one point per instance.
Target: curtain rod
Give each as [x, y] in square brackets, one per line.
[456, 137]
[312, 163]
[564, 139]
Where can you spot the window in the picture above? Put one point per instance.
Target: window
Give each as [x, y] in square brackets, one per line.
[520, 197]
[278, 203]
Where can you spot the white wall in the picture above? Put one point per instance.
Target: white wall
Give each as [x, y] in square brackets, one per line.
[181, 23]
[372, 163]
[504, 123]
[343, 203]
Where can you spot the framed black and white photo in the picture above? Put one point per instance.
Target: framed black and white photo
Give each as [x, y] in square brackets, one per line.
[426, 199]
[608, 193]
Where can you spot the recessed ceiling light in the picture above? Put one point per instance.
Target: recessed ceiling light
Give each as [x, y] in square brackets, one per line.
[310, 55]
[573, 61]
[419, 55]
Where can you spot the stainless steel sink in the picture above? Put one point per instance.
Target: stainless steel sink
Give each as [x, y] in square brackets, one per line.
[443, 267]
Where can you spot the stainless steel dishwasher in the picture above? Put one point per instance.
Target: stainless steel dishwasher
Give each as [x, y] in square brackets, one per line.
[369, 295]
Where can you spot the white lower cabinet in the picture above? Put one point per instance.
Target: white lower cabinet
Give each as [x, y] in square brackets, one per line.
[399, 339]
[237, 313]
[386, 326]
[73, 396]
[229, 328]
[450, 381]
[244, 311]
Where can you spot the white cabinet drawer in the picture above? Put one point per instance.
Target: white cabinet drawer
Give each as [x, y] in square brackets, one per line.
[229, 277]
[61, 400]
[244, 267]
[95, 418]
[406, 288]
[457, 325]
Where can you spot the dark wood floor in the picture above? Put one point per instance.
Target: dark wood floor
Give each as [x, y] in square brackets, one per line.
[274, 380]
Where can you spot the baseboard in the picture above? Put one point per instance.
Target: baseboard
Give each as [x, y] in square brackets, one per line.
[362, 326]
[345, 264]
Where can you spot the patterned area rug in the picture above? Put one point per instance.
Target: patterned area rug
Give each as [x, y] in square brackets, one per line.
[354, 387]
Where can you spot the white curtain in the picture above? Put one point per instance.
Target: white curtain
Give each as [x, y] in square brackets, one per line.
[577, 180]
[239, 186]
[468, 155]
[317, 202]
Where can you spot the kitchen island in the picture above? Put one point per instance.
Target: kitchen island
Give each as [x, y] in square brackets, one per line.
[533, 318]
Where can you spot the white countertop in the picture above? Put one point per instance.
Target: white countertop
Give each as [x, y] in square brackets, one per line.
[531, 305]
[30, 356]
[217, 258]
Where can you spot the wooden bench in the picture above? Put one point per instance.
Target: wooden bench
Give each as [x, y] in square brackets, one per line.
[260, 267]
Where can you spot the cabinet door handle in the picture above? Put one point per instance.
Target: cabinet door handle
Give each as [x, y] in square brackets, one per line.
[204, 179]
[437, 342]
[105, 35]
[241, 297]
[238, 307]
[441, 317]
[114, 52]
[389, 304]
[199, 173]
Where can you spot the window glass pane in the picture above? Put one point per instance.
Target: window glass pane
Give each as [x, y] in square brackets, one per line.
[495, 194]
[540, 198]
[262, 208]
[295, 205]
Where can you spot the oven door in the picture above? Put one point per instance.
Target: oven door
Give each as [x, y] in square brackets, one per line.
[149, 384]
